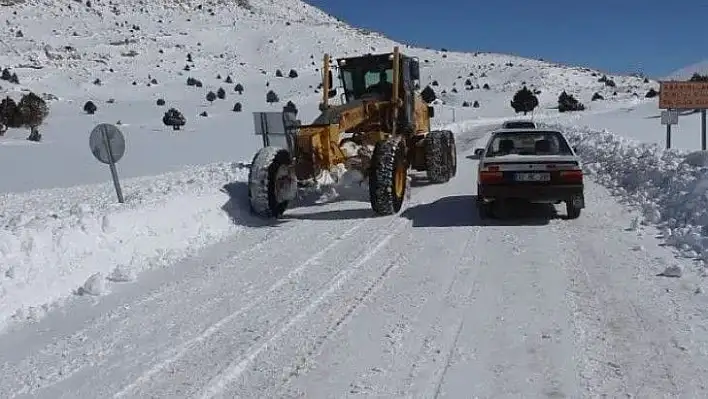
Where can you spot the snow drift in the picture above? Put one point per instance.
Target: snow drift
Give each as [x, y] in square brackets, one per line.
[669, 187]
[55, 242]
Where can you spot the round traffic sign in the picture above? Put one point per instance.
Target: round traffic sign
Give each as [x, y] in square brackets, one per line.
[107, 140]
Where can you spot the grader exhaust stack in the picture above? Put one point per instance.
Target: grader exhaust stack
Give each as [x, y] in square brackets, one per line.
[381, 130]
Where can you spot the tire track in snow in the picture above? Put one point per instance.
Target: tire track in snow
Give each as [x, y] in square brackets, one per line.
[387, 327]
[341, 321]
[234, 371]
[514, 341]
[426, 354]
[182, 350]
[448, 358]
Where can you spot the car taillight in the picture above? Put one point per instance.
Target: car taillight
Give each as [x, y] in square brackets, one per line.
[571, 176]
[490, 177]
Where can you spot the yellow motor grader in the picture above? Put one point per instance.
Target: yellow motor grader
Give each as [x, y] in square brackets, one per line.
[388, 123]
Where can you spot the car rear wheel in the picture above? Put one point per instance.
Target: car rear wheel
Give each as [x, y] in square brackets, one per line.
[485, 209]
[572, 210]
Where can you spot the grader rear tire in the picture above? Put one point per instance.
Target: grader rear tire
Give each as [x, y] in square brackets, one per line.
[271, 182]
[388, 176]
[437, 160]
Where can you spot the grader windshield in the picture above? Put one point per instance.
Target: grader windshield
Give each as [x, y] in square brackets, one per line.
[367, 76]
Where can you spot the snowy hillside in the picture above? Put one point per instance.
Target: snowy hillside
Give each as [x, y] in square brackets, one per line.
[109, 53]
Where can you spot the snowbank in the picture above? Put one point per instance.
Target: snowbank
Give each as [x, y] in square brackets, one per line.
[57, 242]
[670, 187]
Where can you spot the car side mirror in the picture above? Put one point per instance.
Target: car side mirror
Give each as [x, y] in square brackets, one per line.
[479, 151]
[431, 112]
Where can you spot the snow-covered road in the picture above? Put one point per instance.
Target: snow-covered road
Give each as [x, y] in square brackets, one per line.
[335, 303]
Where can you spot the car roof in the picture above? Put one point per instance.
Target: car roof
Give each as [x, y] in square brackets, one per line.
[525, 130]
[519, 120]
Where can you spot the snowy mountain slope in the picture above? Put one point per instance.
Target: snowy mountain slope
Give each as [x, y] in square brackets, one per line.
[688, 71]
[122, 42]
[430, 302]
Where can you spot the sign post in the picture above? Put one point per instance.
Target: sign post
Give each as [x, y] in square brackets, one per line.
[680, 95]
[669, 118]
[703, 129]
[108, 146]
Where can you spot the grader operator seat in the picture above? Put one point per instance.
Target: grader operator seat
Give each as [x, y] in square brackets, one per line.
[370, 77]
[383, 88]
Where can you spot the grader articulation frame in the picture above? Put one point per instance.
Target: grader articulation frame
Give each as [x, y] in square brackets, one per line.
[390, 132]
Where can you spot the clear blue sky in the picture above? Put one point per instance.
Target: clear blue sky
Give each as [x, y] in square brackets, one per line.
[655, 37]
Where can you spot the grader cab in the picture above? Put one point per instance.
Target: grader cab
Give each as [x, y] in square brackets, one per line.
[380, 130]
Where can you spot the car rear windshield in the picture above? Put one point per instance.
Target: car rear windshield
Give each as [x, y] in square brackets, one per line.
[528, 143]
[519, 125]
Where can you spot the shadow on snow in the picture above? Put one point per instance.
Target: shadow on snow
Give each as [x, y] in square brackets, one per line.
[461, 210]
[238, 207]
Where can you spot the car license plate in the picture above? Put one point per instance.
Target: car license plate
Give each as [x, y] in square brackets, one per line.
[533, 177]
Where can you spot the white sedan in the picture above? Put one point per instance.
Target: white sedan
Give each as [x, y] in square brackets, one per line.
[534, 165]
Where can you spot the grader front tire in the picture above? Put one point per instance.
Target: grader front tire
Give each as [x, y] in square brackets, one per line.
[271, 182]
[388, 177]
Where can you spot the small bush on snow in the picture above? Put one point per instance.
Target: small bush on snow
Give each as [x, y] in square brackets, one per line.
[90, 108]
[271, 97]
[567, 103]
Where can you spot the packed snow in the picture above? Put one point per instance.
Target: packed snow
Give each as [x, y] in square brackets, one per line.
[183, 259]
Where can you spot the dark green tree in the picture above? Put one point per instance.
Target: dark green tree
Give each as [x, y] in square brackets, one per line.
[524, 101]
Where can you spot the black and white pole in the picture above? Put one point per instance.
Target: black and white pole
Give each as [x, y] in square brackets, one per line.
[112, 166]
